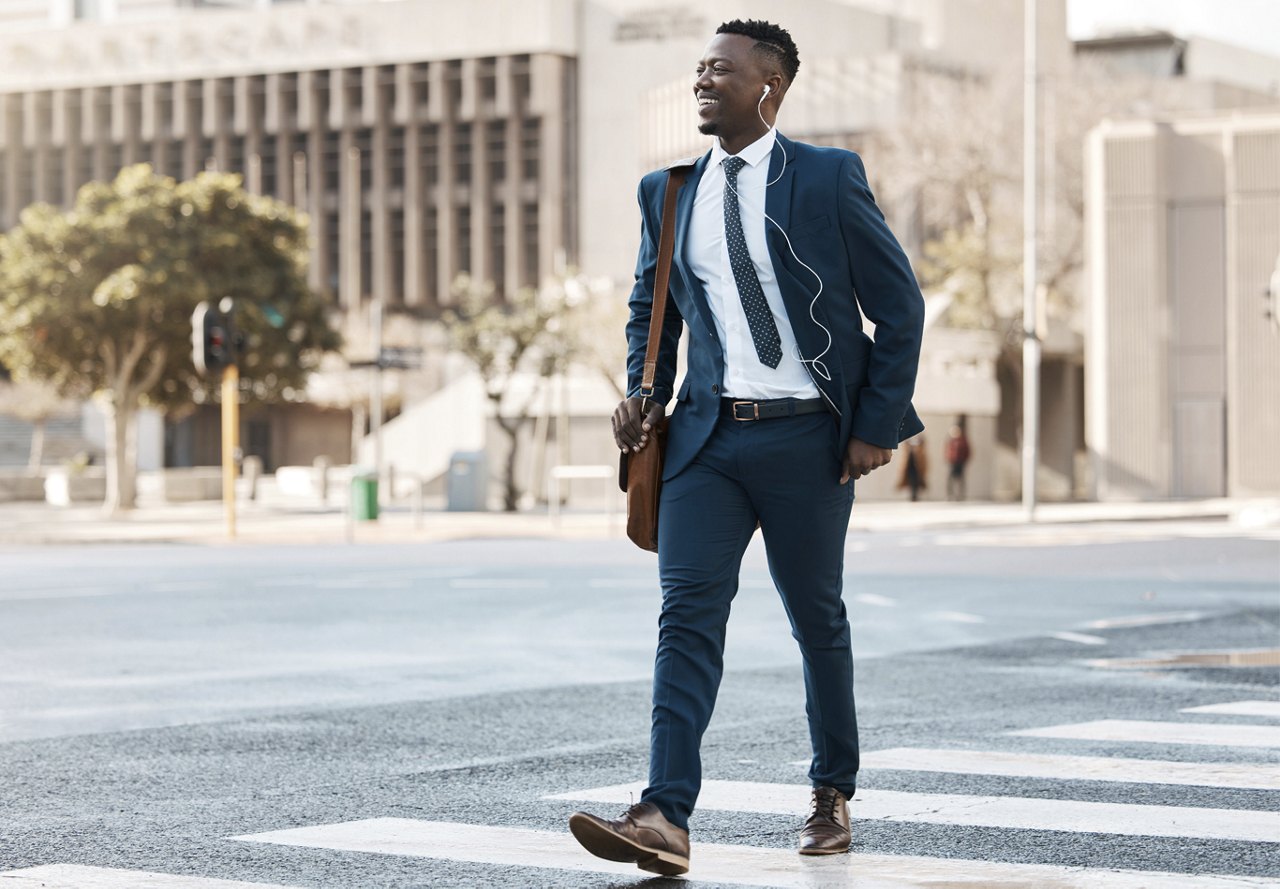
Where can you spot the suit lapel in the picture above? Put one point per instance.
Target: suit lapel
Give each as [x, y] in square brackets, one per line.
[795, 283]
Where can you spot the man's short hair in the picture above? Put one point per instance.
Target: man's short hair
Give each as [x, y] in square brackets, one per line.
[771, 40]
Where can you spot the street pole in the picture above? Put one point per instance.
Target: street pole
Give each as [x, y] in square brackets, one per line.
[1030, 334]
[375, 401]
[230, 442]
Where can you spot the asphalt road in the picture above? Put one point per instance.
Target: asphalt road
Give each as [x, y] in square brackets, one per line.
[157, 703]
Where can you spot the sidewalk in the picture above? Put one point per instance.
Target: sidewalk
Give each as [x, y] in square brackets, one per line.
[276, 523]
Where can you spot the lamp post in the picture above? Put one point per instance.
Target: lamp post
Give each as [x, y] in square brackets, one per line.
[1030, 333]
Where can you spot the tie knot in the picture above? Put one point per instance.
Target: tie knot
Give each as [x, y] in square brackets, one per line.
[732, 165]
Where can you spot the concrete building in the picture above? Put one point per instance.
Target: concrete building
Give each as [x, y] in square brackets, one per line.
[1183, 351]
[425, 139]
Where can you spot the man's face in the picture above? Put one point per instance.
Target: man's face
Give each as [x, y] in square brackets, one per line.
[729, 85]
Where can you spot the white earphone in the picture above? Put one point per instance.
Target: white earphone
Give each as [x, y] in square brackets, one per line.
[817, 364]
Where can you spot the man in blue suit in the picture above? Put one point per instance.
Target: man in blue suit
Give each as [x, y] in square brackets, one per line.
[780, 251]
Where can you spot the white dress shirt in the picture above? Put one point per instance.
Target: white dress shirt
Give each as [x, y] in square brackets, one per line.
[707, 255]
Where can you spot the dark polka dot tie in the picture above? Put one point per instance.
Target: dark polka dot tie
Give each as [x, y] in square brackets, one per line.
[764, 331]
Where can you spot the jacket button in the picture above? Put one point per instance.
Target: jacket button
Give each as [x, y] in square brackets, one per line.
[715, 390]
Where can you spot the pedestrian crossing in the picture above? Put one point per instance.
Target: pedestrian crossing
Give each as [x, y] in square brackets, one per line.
[543, 852]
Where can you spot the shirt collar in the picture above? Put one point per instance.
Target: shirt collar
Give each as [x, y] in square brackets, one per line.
[753, 154]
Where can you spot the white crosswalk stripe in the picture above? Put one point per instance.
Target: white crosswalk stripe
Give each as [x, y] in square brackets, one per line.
[74, 876]
[1147, 732]
[1122, 819]
[729, 864]
[1075, 768]
[1269, 709]
[551, 850]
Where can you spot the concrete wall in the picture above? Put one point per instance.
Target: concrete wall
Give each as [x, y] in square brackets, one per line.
[1183, 372]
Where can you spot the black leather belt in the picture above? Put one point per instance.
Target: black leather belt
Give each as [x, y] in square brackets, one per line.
[739, 409]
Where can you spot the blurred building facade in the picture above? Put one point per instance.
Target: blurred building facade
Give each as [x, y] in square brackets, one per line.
[426, 139]
[1184, 345]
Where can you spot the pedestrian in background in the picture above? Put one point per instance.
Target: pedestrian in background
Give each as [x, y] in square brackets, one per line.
[779, 250]
[957, 455]
[915, 468]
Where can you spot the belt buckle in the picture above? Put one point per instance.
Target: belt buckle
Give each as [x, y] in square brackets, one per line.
[755, 405]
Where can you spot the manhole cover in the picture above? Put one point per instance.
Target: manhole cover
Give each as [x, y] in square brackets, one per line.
[1264, 657]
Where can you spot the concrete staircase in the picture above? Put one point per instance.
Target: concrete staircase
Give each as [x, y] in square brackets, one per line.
[63, 439]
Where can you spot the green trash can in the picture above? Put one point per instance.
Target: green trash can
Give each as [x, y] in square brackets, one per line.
[364, 497]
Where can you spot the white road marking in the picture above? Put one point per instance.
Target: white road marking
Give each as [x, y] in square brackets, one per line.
[957, 617]
[1145, 620]
[1240, 708]
[717, 863]
[37, 595]
[1144, 732]
[876, 600]
[1018, 813]
[498, 583]
[74, 876]
[1081, 638]
[1075, 768]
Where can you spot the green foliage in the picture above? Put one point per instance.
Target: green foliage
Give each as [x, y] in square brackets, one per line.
[961, 263]
[99, 298]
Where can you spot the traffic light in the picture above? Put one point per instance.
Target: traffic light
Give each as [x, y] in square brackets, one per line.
[212, 339]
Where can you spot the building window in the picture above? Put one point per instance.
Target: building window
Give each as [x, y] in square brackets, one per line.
[396, 228]
[53, 176]
[529, 243]
[463, 258]
[496, 149]
[395, 156]
[431, 253]
[498, 245]
[268, 165]
[364, 142]
[462, 155]
[332, 160]
[530, 147]
[429, 140]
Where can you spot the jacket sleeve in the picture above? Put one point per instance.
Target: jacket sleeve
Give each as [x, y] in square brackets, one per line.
[641, 304]
[888, 295]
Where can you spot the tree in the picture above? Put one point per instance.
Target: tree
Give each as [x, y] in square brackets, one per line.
[522, 334]
[955, 158]
[34, 402]
[596, 326]
[98, 300]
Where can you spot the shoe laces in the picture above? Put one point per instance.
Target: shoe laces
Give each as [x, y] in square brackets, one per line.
[823, 805]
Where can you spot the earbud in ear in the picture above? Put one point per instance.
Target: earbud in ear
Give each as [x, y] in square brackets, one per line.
[766, 89]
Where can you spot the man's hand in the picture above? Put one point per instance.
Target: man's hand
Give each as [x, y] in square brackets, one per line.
[860, 458]
[631, 428]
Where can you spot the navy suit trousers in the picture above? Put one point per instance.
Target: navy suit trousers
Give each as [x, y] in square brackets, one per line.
[783, 473]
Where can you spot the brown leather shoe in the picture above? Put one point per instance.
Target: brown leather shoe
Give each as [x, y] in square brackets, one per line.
[642, 835]
[826, 831]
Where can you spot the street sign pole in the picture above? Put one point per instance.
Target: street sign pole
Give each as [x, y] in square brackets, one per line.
[230, 442]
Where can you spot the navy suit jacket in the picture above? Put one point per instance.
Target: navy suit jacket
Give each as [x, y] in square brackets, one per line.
[824, 204]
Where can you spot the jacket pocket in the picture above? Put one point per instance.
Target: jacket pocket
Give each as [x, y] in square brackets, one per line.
[809, 227]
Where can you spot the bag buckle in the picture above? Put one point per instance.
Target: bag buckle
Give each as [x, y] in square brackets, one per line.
[755, 410]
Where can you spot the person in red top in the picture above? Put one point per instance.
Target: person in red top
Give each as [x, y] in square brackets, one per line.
[957, 455]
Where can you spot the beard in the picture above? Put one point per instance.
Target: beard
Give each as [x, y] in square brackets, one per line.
[709, 127]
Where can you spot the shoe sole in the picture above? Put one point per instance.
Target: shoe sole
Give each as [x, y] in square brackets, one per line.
[824, 851]
[603, 843]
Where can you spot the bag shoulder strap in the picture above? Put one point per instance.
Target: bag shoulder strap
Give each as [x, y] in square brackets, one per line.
[676, 175]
